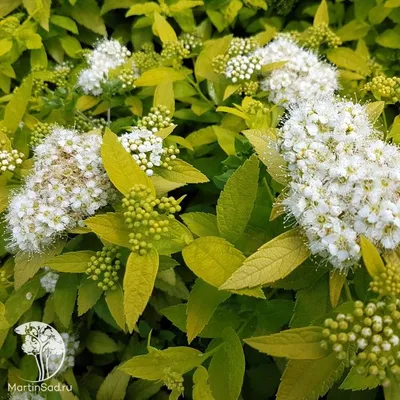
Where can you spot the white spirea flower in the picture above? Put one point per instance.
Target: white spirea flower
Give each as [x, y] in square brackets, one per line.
[146, 148]
[67, 184]
[49, 281]
[242, 68]
[345, 179]
[107, 55]
[71, 346]
[303, 77]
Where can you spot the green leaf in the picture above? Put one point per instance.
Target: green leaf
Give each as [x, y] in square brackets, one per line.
[5, 46]
[75, 262]
[272, 66]
[264, 143]
[158, 76]
[26, 265]
[355, 381]
[236, 201]
[181, 172]
[64, 297]
[40, 11]
[392, 3]
[322, 15]
[64, 22]
[336, 281]
[87, 13]
[115, 303]
[201, 224]
[110, 227]
[39, 58]
[121, 168]
[354, 30]
[374, 110]
[371, 257]
[201, 388]
[139, 278]
[203, 301]
[164, 96]
[309, 379]
[297, 344]
[86, 102]
[100, 343]
[151, 366]
[143, 8]
[114, 386]
[394, 132]
[227, 368]
[392, 392]
[16, 107]
[347, 58]
[226, 139]
[273, 261]
[6, 6]
[163, 29]
[88, 294]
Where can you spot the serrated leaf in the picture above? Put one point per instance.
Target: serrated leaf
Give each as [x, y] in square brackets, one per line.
[392, 391]
[226, 139]
[355, 381]
[181, 172]
[298, 344]
[65, 297]
[347, 58]
[201, 388]
[236, 201]
[371, 257]
[86, 102]
[158, 76]
[309, 379]
[201, 224]
[203, 301]
[88, 294]
[151, 366]
[40, 11]
[121, 168]
[163, 29]
[390, 38]
[5, 46]
[64, 22]
[336, 282]
[139, 278]
[322, 15]
[374, 110]
[16, 107]
[87, 13]
[71, 46]
[110, 227]
[164, 96]
[75, 261]
[114, 386]
[143, 8]
[227, 368]
[115, 303]
[100, 343]
[273, 261]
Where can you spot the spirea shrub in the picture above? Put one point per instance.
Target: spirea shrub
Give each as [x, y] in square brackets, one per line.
[202, 198]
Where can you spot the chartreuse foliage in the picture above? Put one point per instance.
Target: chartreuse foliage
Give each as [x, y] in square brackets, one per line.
[192, 282]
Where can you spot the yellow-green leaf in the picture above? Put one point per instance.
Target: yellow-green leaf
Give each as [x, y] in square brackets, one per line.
[75, 262]
[297, 344]
[115, 303]
[272, 261]
[201, 224]
[143, 8]
[110, 227]
[5, 46]
[230, 90]
[336, 282]
[322, 14]
[201, 388]
[203, 301]
[71, 45]
[114, 386]
[64, 22]
[86, 102]
[236, 201]
[87, 13]
[181, 172]
[272, 66]
[16, 107]
[158, 76]
[163, 29]
[164, 96]
[121, 168]
[152, 366]
[374, 110]
[100, 343]
[345, 57]
[88, 294]
[371, 257]
[64, 297]
[139, 278]
[226, 139]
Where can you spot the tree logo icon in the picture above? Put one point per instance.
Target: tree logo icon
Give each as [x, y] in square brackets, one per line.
[47, 346]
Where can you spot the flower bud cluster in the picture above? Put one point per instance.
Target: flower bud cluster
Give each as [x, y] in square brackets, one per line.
[385, 87]
[174, 50]
[4, 279]
[249, 88]
[368, 338]
[38, 87]
[158, 118]
[107, 55]
[9, 160]
[387, 283]
[86, 123]
[128, 77]
[316, 36]
[255, 107]
[242, 46]
[104, 267]
[147, 216]
[71, 347]
[67, 183]
[242, 68]
[302, 77]
[190, 42]
[173, 380]
[345, 179]
[146, 58]
[40, 131]
[61, 74]
[49, 281]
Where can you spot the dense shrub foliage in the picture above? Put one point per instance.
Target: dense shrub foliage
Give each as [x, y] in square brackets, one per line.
[201, 197]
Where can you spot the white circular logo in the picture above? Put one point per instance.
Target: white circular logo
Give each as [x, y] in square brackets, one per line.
[44, 343]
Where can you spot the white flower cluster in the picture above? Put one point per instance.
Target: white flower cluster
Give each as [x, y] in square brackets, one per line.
[9, 160]
[146, 148]
[71, 347]
[107, 55]
[67, 183]
[345, 180]
[49, 281]
[241, 68]
[25, 396]
[303, 76]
